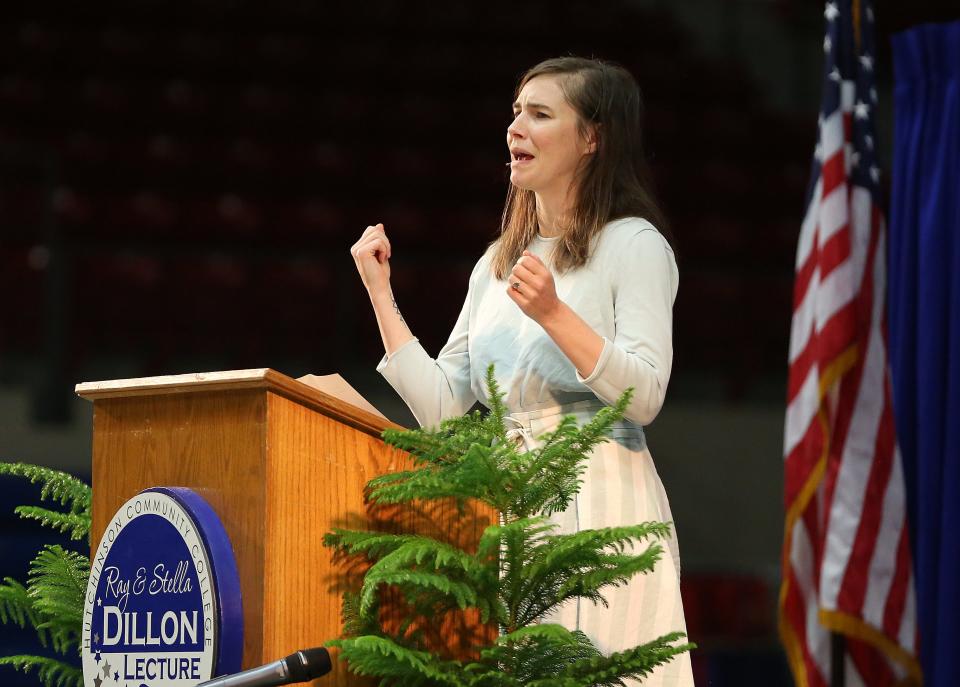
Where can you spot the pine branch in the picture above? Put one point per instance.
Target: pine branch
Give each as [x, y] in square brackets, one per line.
[564, 549]
[57, 486]
[539, 651]
[546, 631]
[532, 529]
[613, 571]
[437, 446]
[57, 582]
[425, 447]
[429, 553]
[372, 544]
[396, 664]
[485, 675]
[550, 475]
[52, 673]
[16, 606]
[475, 475]
[356, 624]
[581, 564]
[76, 525]
[412, 580]
[637, 662]
[498, 410]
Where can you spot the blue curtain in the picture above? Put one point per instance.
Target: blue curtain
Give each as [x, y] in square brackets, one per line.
[924, 326]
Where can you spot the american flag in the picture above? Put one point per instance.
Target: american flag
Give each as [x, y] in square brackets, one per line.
[846, 560]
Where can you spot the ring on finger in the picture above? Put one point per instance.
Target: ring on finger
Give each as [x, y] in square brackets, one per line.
[515, 285]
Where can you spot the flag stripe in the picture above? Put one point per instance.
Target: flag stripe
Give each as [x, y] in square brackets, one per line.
[908, 637]
[825, 339]
[816, 638]
[808, 229]
[805, 274]
[851, 676]
[801, 329]
[836, 291]
[835, 252]
[834, 178]
[801, 413]
[894, 610]
[834, 210]
[832, 134]
[858, 417]
[873, 668]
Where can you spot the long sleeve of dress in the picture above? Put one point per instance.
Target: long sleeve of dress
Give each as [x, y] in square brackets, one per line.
[434, 389]
[641, 353]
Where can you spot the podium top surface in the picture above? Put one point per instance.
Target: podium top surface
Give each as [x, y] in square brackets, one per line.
[231, 380]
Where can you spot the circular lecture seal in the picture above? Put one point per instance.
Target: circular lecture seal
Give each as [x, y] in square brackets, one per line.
[162, 607]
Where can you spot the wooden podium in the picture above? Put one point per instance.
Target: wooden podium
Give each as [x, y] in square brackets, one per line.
[280, 462]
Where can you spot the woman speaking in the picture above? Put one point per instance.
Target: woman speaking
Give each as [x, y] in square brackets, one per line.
[572, 304]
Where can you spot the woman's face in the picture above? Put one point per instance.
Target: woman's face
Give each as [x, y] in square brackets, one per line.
[545, 146]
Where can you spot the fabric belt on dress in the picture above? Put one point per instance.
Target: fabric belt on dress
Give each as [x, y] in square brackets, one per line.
[521, 433]
[522, 421]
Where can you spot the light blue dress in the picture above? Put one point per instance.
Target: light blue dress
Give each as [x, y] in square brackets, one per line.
[625, 292]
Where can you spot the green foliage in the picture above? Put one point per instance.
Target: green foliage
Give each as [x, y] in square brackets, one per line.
[522, 568]
[76, 525]
[56, 486]
[52, 673]
[16, 606]
[57, 582]
[52, 601]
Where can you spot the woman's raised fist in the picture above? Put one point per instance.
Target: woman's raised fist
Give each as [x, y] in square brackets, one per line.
[371, 254]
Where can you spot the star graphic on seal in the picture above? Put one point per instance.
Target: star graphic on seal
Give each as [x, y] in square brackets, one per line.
[99, 601]
[97, 657]
[106, 668]
[96, 637]
[97, 681]
[116, 676]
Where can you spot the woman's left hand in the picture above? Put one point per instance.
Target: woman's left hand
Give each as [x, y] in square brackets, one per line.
[530, 285]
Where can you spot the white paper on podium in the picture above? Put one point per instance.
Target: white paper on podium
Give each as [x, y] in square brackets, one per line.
[338, 387]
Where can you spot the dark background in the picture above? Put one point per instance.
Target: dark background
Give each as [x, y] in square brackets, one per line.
[180, 184]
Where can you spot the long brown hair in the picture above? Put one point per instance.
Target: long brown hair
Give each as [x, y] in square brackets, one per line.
[613, 183]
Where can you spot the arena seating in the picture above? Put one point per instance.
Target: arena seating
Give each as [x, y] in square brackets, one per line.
[194, 166]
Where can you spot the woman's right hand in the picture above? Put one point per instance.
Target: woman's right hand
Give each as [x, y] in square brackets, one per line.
[371, 254]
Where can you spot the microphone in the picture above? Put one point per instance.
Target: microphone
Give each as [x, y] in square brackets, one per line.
[299, 667]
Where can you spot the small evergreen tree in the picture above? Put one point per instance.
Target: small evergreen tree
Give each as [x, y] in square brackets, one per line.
[52, 600]
[521, 569]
